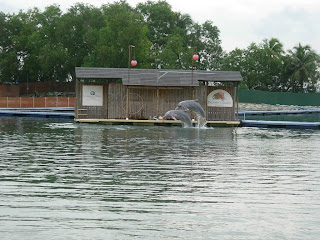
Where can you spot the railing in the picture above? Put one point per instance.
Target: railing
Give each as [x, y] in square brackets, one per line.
[36, 102]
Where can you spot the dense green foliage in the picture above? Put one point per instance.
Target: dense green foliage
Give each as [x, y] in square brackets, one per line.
[268, 67]
[48, 45]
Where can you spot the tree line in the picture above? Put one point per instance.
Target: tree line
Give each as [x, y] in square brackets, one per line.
[47, 46]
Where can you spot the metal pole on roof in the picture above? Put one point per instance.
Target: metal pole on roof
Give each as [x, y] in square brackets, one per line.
[195, 57]
[27, 84]
[129, 66]
[237, 89]
[129, 61]
[192, 64]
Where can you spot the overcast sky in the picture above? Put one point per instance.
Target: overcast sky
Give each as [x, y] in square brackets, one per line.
[240, 22]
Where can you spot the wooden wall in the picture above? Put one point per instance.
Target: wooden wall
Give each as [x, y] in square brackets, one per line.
[146, 102]
[222, 113]
[91, 112]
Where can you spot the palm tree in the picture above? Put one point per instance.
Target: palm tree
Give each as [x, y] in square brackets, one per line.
[273, 52]
[302, 69]
[274, 47]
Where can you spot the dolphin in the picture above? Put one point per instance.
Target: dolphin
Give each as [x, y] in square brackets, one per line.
[179, 115]
[192, 105]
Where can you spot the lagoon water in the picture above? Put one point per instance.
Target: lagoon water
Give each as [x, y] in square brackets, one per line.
[62, 180]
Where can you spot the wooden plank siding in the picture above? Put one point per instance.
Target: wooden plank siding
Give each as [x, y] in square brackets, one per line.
[222, 113]
[116, 102]
[96, 111]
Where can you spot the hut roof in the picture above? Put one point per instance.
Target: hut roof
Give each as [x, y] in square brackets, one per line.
[158, 77]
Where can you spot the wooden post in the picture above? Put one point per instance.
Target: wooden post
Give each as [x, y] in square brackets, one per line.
[206, 99]
[106, 87]
[192, 67]
[127, 104]
[157, 101]
[237, 89]
[77, 98]
[129, 65]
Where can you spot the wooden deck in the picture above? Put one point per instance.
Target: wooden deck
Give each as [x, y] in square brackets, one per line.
[156, 122]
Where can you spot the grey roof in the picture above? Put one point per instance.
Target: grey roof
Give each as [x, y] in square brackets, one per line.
[158, 77]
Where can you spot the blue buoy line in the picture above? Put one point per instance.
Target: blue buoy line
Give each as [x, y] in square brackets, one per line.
[279, 124]
[277, 112]
[63, 112]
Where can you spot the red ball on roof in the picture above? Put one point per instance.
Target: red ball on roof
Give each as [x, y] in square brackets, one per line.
[195, 57]
[134, 62]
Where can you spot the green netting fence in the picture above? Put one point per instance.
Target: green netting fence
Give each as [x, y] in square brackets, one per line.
[282, 98]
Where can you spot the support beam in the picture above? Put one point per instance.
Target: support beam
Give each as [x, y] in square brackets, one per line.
[127, 103]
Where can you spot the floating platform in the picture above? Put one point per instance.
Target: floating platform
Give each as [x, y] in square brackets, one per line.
[63, 112]
[277, 112]
[243, 123]
[156, 122]
[280, 124]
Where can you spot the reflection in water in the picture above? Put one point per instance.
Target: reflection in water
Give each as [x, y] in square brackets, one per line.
[79, 181]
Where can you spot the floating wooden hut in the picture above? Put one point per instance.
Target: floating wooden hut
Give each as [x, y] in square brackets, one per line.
[116, 94]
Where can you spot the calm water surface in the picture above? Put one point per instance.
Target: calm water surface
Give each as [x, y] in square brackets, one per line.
[61, 180]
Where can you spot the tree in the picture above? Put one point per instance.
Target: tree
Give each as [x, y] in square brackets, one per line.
[261, 65]
[48, 45]
[79, 31]
[164, 25]
[273, 62]
[302, 64]
[174, 35]
[15, 50]
[206, 38]
[235, 61]
[123, 27]
[8, 61]
[175, 54]
[161, 21]
[52, 53]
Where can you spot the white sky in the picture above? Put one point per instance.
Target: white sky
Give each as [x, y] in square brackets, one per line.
[240, 22]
